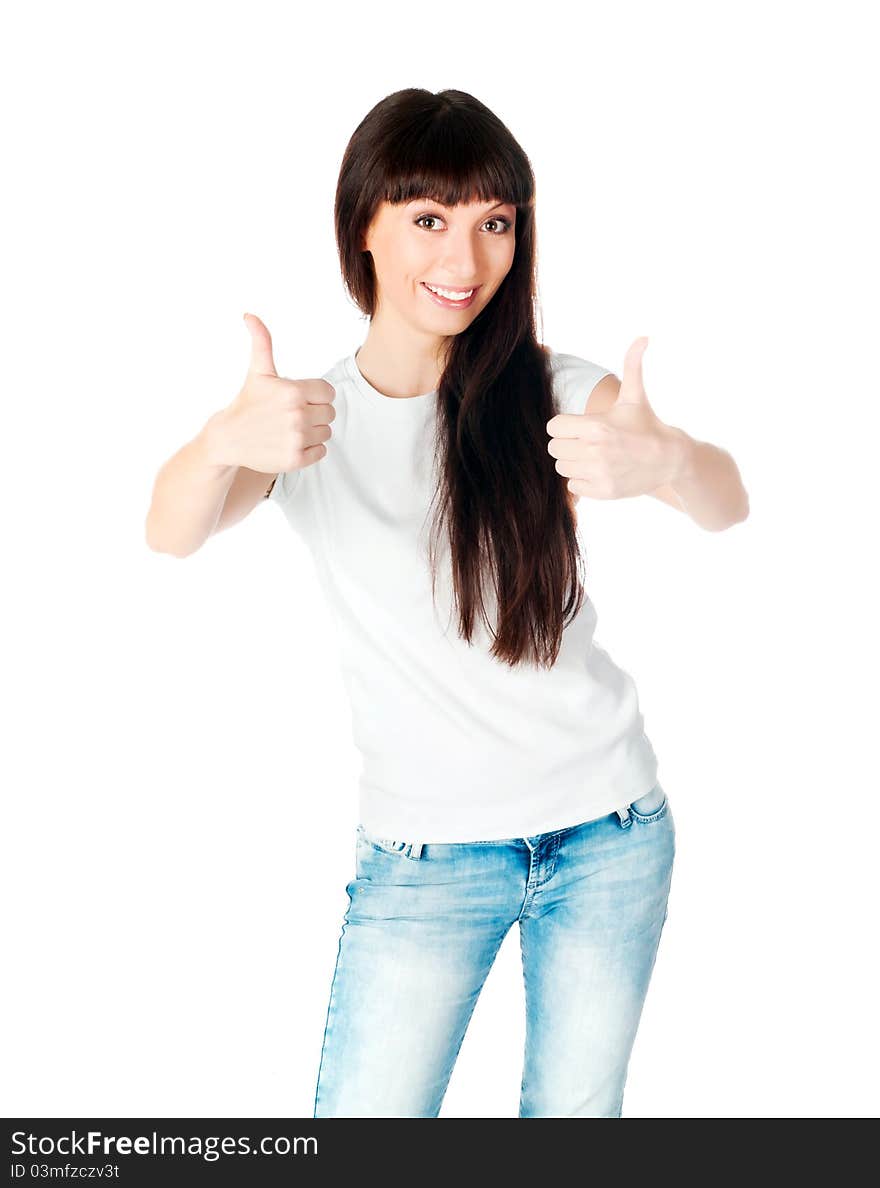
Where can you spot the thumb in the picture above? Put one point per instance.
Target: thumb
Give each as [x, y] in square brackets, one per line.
[632, 385]
[261, 362]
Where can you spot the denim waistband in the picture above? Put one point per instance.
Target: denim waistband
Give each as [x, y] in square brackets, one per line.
[413, 849]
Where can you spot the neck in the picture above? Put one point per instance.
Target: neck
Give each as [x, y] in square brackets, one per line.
[399, 361]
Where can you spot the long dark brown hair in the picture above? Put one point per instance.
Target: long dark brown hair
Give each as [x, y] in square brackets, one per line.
[508, 511]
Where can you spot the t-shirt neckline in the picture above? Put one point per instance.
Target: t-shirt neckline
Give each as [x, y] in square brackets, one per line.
[375, 395]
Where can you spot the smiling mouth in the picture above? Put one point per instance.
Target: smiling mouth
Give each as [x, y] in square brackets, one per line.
[450, 302]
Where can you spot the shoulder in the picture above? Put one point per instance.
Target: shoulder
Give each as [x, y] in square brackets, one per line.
[339, 375]
[577, 380]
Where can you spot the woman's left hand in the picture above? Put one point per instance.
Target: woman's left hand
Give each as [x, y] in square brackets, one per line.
[626, 450]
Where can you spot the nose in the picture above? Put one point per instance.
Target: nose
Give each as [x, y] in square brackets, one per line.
[461, 259]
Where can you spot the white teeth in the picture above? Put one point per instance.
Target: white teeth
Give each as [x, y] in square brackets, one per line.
[449, 294]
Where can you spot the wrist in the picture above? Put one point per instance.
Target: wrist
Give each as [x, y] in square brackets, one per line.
[681, 454]
[214, 445]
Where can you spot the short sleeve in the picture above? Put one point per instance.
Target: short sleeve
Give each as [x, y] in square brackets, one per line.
[573, 380]
[285, 484]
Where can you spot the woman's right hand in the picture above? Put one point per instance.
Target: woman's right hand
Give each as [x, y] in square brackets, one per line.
[273, 424]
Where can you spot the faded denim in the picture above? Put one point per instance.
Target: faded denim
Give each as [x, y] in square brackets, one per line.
[423, 926]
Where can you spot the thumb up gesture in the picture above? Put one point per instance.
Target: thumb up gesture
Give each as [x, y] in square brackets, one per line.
[274, 424]
[625, 450]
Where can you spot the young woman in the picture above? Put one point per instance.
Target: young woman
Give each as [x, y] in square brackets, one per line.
[507, 777]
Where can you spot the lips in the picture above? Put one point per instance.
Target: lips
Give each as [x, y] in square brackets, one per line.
[446, 303]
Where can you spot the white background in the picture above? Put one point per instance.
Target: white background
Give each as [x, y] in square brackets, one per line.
[179, 777]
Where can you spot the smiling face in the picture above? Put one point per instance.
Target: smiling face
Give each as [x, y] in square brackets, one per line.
[420, 243]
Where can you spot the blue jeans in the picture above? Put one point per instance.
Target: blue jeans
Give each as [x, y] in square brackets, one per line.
[422, 929]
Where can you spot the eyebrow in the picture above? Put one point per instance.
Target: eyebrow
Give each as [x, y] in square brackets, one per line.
[438, 203]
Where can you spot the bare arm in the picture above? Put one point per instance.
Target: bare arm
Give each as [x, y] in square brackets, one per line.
[249, 488]
[195, 495]
[275, 424]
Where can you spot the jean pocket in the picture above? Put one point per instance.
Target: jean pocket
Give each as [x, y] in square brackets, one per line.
[385, 845]
[653, 806]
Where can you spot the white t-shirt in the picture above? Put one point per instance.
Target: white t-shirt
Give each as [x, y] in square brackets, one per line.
[456, 746]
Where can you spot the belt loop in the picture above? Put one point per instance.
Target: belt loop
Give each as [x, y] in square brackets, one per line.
[625, 818]
[415, 849]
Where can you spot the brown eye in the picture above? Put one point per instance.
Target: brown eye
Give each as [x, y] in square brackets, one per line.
[503, 222]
